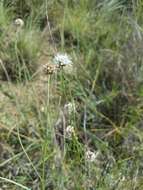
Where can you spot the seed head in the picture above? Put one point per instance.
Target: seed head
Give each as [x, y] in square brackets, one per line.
[49, 69]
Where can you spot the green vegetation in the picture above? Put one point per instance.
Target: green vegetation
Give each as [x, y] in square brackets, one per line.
[71, 92]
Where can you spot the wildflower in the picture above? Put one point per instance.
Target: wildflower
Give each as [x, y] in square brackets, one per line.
[69, 132]
[19, 23]
[42, 109]
[90, 156]
[49, 69]
[62, 60]
[69, 108]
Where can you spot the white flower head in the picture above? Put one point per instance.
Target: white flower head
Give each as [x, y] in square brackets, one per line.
[90, 156]
[62, 59]
[69, 108]
[19, 22]
[42, 109]
[69, 132]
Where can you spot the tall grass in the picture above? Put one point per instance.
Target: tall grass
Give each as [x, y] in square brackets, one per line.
[104, 39]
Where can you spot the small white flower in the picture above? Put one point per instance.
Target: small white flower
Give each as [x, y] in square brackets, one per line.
[42, 109]
[69, 108]
[90, 156]
[62, 59]
[19, 22]
[69, 132]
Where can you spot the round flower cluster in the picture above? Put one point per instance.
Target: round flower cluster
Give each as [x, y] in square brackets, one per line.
[69, 108]
[69, 132]
[90, 156]
[19, 22]
[62, 60]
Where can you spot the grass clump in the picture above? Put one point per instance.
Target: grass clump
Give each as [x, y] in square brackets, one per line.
[19, 52]
[20, 55]
[20, 46]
